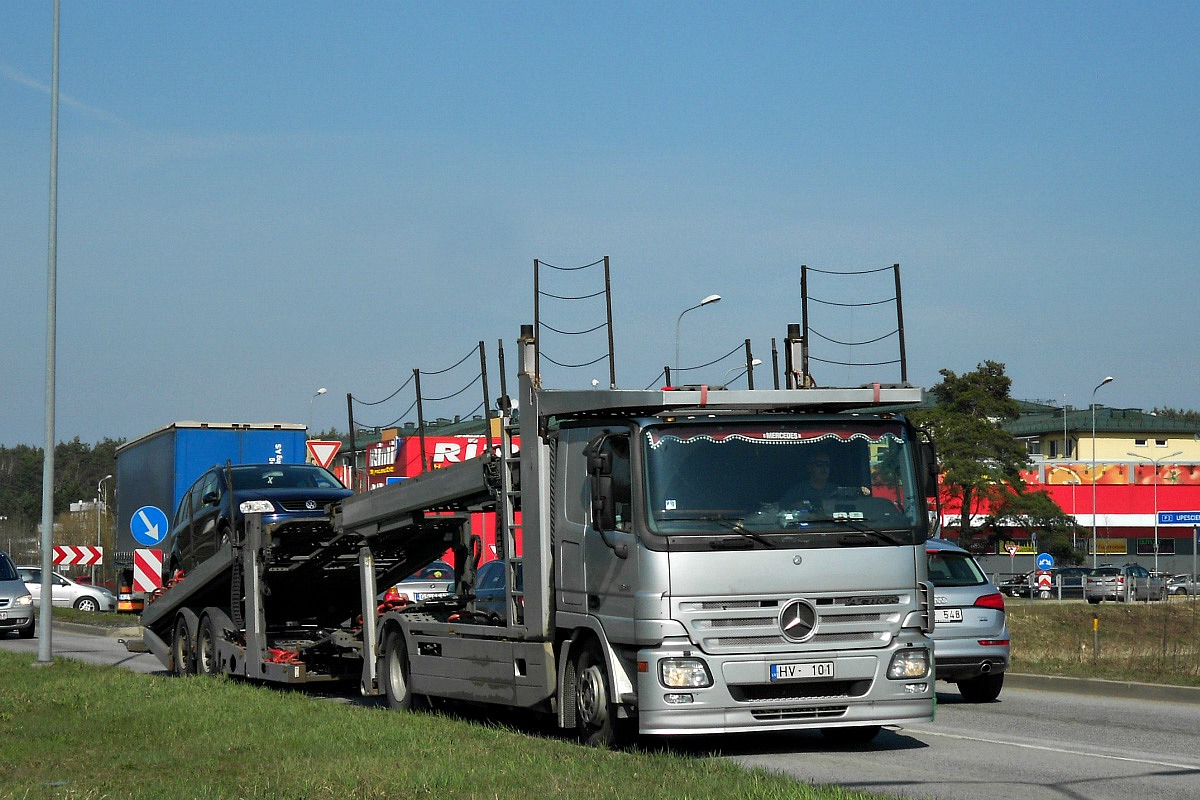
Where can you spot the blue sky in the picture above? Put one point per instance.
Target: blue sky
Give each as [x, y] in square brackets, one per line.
[257, 200]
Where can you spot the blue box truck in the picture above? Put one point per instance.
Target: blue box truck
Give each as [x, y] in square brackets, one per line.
[154, 471]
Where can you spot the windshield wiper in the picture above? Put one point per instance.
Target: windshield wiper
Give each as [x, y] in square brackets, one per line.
[734, 524]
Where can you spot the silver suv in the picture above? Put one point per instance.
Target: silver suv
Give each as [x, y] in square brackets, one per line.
[970, 632]
[16, 603]
[1125, 582]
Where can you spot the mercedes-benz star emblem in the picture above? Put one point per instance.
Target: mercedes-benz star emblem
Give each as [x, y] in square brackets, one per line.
[798, 620]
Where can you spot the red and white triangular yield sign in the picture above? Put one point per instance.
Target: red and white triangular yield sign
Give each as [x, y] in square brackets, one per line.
[322, 453]
[69, 556]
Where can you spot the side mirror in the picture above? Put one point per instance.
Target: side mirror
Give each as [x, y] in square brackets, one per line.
[604, 513]
[927, 458]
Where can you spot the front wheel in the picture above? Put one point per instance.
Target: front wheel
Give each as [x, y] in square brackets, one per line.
[1094, 601]
[87, 604]
[983, 689]
[27, 631]
[596, 714]
[396, 686]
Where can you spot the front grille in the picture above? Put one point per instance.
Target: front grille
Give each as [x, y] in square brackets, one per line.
[297, 506]
[775, 692]
[5, 602]
[785, 714]
[862, 621]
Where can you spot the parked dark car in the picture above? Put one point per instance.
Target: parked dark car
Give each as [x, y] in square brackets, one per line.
[1027, 584]
[292, 497]
[1020, 585]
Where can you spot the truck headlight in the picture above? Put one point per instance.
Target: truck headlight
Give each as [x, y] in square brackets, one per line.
[684, 673]
[909, 664]
[256, 507]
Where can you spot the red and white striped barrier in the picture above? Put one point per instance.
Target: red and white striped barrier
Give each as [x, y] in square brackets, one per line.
[69, 556]
[147, 570]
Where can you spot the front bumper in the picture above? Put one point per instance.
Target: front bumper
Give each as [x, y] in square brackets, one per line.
[744, 698]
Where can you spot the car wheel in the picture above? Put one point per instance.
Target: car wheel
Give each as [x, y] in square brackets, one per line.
[182, 652]
[87, 604]
[206, 648]
[27, 631]
[1094, 601]
[1044, 594]
[856, 735]
[983, 689]
[395, 672]
[596, 714]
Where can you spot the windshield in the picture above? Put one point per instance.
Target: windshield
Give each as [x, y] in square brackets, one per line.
[283, 476]
[853, 476]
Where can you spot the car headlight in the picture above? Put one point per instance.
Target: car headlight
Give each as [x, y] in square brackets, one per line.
[24, 600]
[684, 673]
[909, 664]
[256, 507]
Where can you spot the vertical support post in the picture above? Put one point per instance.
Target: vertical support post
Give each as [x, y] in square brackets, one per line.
[900, 326]
[487, 417]
[796, 377]
[612, 358]
[775, 361]
[420, 420]
[257, 540]
[667, 374]
[537, 315]
[369, 683]
[749, 366]
[353, 444]
[804, 323]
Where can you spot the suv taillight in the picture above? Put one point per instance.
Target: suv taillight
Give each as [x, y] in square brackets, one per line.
[995, 601]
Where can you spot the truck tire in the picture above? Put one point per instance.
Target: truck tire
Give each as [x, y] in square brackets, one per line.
[183, 656]
[395, 672]
[206, 648]
[858, 734]
[596, 714]
[983, 689]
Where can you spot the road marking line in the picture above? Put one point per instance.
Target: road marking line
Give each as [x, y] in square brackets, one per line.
[1054, 749]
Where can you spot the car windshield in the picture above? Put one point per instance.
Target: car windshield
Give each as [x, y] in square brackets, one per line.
[784, 478]
[7, 571]
[954, 569]
[283, 476]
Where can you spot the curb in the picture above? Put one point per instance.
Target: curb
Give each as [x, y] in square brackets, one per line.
[1095, 686]
[131, 632]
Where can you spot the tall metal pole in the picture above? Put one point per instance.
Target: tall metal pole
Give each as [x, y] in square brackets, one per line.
[1093, 471]
[99, 517]
[45, 606]
[1155, 462]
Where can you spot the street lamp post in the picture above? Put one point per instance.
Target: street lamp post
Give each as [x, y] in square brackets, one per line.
[753, 363]
[712, 298]
[1107, 380]
[1156, 462]
[99, 517]
[319, 392]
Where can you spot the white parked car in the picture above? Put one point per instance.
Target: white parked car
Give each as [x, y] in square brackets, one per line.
[67, 593]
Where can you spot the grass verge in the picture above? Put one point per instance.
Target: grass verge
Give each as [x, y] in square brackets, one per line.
[83, 732]
[1141, 642]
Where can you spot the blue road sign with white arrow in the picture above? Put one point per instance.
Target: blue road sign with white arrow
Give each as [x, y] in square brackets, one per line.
[148, 525]
[1045, 561]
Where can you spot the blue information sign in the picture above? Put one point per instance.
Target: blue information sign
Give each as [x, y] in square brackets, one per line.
[148, 525]
[1045, 561]
[1179, 518]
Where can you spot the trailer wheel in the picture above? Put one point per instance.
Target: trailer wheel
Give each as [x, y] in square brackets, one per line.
[206, 648]
[396, 686]
[182, 655]
[596, 719]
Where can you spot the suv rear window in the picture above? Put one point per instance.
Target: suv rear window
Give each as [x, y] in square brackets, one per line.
[954, 569]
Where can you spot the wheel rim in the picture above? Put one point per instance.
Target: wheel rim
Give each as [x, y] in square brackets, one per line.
[87, 604]
[395, 674]
[592, 696]
[205, 650]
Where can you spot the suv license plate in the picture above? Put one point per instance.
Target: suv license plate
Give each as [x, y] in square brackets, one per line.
[818, 669]
[947, 615]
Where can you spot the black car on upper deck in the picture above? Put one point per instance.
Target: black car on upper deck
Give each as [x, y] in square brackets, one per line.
[292, 497]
